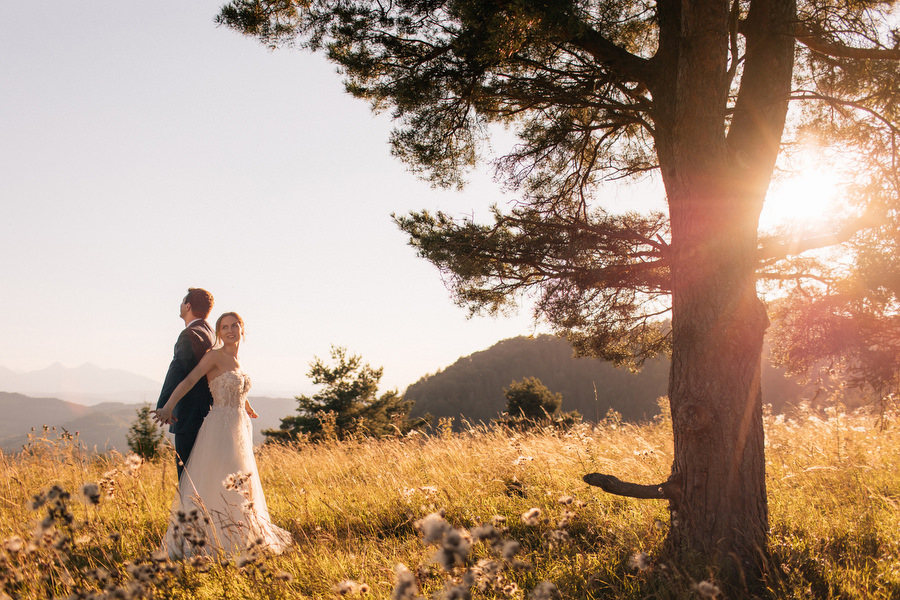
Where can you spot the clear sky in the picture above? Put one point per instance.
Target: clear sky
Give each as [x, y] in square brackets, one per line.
[144, 150]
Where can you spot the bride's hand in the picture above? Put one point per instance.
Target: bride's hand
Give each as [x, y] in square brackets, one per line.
[250, 412]
[163, 416]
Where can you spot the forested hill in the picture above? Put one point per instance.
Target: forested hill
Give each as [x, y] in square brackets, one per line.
[472, 387]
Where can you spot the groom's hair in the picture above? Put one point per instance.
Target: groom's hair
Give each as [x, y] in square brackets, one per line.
[201, 302]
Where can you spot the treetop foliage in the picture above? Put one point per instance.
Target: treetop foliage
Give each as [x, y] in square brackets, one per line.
[591, 89]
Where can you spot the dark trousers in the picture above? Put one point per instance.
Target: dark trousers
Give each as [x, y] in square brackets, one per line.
[184, 443]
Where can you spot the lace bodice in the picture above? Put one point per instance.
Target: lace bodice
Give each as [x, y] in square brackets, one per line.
[230, 389]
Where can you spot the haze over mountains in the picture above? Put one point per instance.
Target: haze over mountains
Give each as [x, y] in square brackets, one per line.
[101, 427]
[87, 385]
[100, 404]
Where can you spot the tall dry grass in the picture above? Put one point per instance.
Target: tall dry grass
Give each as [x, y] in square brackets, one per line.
[357, 509]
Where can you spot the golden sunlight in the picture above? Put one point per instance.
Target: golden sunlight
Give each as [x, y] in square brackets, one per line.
[808, 199]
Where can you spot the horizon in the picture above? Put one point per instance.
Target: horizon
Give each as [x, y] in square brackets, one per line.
[92, 397]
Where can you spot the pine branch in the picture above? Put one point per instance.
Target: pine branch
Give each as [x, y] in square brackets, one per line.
[814, 39]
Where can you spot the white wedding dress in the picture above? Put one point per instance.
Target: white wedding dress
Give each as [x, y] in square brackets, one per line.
[220, 507]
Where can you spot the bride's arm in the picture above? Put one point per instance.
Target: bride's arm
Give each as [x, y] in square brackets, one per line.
[164, 415]
[250, 412]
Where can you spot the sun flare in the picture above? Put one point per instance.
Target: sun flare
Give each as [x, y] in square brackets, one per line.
[807, 199]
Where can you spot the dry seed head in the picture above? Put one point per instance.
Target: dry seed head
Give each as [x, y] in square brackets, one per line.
[454, 549]
[432, 527]
[90, 493]
[37, 501]
[556, 538]
[460, 591]
[201, 562]
[566, 517]
[707, 589]
[14, 544]
[488, 576]
[348, 586]
[100, 574]
[520, 565]
[510, 589]
[639, 561]
[159, 556]
[243, 560]
[405, 585]
[284, 577]
[532, 516]
[133, 464]
[545, 590]
[510, 549]
[485, 532]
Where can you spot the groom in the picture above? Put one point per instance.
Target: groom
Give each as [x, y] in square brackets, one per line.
[192, 344]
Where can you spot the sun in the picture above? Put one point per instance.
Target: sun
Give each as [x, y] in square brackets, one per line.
[810, 198]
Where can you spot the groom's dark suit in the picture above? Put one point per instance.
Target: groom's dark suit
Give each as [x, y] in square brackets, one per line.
[189, 413]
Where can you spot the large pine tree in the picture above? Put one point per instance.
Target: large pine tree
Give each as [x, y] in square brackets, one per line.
[698, 91]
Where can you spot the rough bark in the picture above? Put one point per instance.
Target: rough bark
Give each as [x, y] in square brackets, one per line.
[715, 181]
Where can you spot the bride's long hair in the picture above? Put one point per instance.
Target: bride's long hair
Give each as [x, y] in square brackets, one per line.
[219, 322]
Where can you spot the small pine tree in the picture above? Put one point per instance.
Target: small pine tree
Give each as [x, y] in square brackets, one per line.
[531, 399]
[144, 436]
[529, 403]
[348, 402]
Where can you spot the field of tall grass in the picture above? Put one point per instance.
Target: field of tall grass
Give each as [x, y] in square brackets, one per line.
[485, 513]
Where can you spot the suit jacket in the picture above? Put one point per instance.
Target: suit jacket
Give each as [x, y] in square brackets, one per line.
[189, 413]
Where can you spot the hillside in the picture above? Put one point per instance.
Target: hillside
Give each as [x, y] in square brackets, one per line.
[21, 413]
[472, 387]
[101, 427]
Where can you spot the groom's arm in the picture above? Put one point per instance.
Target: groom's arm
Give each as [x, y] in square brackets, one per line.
[181, 365]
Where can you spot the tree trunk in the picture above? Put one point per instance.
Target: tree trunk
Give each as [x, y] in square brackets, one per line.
[715, 182]
[718, 327]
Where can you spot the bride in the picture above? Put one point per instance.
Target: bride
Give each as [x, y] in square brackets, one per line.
[220, 506]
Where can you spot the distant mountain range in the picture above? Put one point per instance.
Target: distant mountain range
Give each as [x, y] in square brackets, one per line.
[101, 427]
[87, 385]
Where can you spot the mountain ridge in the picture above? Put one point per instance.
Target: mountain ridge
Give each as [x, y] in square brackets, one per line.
[473, 387]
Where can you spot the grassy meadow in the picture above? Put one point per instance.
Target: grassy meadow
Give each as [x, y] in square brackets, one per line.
[359, 514]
